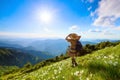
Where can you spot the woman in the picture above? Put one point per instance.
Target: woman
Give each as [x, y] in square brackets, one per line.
[73, 48]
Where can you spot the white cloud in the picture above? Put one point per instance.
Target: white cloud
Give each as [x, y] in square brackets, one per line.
[107, 32]
[103, 32]
[74, 27]
[107, 13]
[89, 8]
[94, 30]
[86, 1]
[90, 1]
[117, 28]
[92, 14]
[30, 35]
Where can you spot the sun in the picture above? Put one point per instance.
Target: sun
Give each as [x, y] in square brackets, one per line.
[46, 17]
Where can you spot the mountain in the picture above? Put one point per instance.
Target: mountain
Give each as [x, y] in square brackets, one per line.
[16, 57]
[40, 54]
[7, 43]
[49, 47]
[53, 46]
[19, 44]
[100, 65]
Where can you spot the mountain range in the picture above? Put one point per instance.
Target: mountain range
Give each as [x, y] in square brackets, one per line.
[52, 47]
[20, 51]
[102, 64]
[15, 57]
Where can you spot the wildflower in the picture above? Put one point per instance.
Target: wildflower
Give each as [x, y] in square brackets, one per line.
[105, 62]
[80, 78]
[98, 57]
[56, 77]
[87, 78]
[48, 69]
[90, 75]
[76, 73]
[48, 78]
[115, 63]
[105, 57]
[111, 56]
[53, 77]
[60, 68]
[59, 72]
[81, 71]
[55, 71]
[110, 62]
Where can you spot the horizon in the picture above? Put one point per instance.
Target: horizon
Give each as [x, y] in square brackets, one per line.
[55, 19]
[35, 39]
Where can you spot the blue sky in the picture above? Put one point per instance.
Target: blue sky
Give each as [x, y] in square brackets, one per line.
[91, 19]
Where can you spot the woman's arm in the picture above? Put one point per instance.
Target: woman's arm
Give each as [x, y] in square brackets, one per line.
[68, 38]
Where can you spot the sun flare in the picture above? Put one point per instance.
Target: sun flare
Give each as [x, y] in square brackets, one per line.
[46, 17]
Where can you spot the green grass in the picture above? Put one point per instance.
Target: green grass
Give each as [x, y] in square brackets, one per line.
[7, 69]
[100, 65]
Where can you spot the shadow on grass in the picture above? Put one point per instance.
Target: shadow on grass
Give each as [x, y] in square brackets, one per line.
[107, 72]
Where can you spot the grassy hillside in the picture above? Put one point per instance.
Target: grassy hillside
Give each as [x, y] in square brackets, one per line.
[100, 65]
[14, 57]
[7, 69]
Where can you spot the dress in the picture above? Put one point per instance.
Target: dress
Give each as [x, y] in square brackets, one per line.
[73, 52]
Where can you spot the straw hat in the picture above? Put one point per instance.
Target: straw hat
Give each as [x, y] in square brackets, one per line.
[74, 36]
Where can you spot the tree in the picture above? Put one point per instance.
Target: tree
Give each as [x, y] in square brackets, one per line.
[28, 65]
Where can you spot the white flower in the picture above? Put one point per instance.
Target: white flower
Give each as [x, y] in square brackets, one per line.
[59, 72]
[90, 75]
[98, 57]
[105, 62]
[115, 63]
[105, 56]
[56, 76]
[48, 78]
[55, 71]
[53, 77]
[60, 68]
[76, 73]
[87, 78]
[110, 62]
[81, 71]
[111, 56]
[48, 69]
[80, 78]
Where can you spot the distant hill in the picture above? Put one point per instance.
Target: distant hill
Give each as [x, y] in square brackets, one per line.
[53, 46]
[49, 47]
[100, 65]
[20, 45]
[40, 54]
[9, 44]
[15, 57]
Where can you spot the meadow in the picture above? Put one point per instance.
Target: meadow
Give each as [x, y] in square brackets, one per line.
[102, 64]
